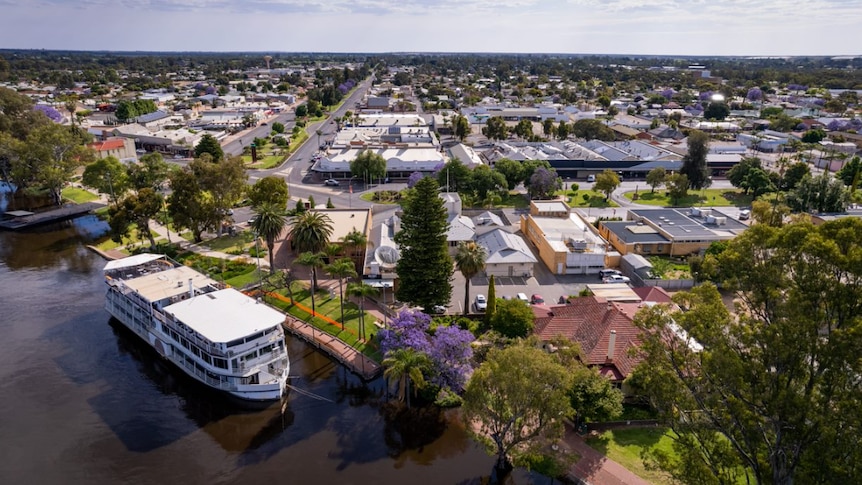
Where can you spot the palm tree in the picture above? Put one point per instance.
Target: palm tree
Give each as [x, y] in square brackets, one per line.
[470, 259]
[406, 366]
[341, 268]
[313, 261]
[269, 221]
[362, 291]
[353, 241]
[310, 233]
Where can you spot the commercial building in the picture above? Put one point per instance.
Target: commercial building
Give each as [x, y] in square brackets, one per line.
[566, 242]
[670, 232]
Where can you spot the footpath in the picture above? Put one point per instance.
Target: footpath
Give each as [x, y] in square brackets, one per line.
[594, 468]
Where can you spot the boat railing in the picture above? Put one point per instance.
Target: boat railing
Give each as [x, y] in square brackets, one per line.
[260, 360]
[204, 344]
[217, 383]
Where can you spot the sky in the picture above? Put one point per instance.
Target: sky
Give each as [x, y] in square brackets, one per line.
[646, 27]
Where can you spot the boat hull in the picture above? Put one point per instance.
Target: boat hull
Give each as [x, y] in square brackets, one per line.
[248, 392]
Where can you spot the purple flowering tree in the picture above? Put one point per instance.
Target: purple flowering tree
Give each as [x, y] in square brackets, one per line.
[210, 90]
[450, 352]
[408, 330]
[835, 125]
[448, 348]
[50, 112]
[705, 95]
[668, 94]
[754, 94]
[413, 179]
[544, 182]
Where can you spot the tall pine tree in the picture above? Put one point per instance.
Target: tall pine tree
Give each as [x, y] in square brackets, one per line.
[425, 267]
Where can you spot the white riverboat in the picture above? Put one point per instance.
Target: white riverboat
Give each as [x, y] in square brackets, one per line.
[215, 334]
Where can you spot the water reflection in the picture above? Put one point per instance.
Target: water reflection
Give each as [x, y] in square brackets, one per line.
[61, 244]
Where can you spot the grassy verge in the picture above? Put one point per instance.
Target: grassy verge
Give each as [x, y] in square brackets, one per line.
[296, 141]
[78, 196]
[707, 197]
[625, 447]
[231, 244]
[268, 161]
[586, 198]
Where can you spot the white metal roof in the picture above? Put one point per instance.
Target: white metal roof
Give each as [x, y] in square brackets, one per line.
[225, 315]
[135, 260]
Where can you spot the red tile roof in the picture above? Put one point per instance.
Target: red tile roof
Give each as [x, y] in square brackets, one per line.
[655, 294]
[109, 144]
[589, 321]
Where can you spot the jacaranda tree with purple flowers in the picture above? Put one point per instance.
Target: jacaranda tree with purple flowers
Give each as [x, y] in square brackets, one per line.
[414, 177]
[447, 347]
[754, 94]
[451, 353]
[50, 112]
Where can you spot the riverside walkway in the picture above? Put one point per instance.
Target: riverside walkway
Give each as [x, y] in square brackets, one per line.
[336, 348]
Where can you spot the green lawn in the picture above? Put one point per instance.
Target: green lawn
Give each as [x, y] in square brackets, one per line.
[594, 199]
[625, 446]
[513, 199]
[325, 305]
[226, 243]
[78, 196]
[268, 161]
[707, 198]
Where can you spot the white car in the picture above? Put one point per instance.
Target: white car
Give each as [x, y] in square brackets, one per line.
[522, 297]
[331, 182]
[481, 303]
[617, 279]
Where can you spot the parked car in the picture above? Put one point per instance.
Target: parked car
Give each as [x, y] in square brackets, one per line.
[591, 178]
[537, 300]
[608, 272]
[523, 297]
[481, 303]
[617, 279]
[438, 309]
[744, 214]
[331, 182]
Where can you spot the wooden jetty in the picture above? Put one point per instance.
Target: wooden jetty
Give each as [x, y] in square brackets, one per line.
[335, 347]
[14, 220]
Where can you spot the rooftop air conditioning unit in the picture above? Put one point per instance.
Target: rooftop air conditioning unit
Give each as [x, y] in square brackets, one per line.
[710, 220]
[694, 211]
[705, 212]
[721, 220]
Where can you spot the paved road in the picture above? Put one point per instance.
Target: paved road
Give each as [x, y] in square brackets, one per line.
[236, 143]
[296, 169]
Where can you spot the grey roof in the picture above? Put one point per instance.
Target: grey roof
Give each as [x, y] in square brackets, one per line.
[154, 116]
[505, 247]
[630, 232]
[488, 218]
[682, 225]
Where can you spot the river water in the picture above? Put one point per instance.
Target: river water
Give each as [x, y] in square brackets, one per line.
[82, 400]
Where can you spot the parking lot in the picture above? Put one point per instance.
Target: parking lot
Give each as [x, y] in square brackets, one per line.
[550, 286]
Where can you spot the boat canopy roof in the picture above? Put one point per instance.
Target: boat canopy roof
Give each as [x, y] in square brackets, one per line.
[130, 261]
[225, 315]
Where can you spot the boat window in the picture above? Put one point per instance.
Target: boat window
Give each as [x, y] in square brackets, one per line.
[220, 363]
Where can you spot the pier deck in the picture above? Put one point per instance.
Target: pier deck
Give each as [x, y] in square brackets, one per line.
[67, 211]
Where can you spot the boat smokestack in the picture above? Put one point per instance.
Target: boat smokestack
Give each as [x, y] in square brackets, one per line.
[612, 343]
[191, 289]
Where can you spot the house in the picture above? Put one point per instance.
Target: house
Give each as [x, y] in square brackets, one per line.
[603, 329]
[507, 254]
[670, 232]
[461, 228]
[382, 254]
[345, 221]
[117, 147]
[567, 243]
